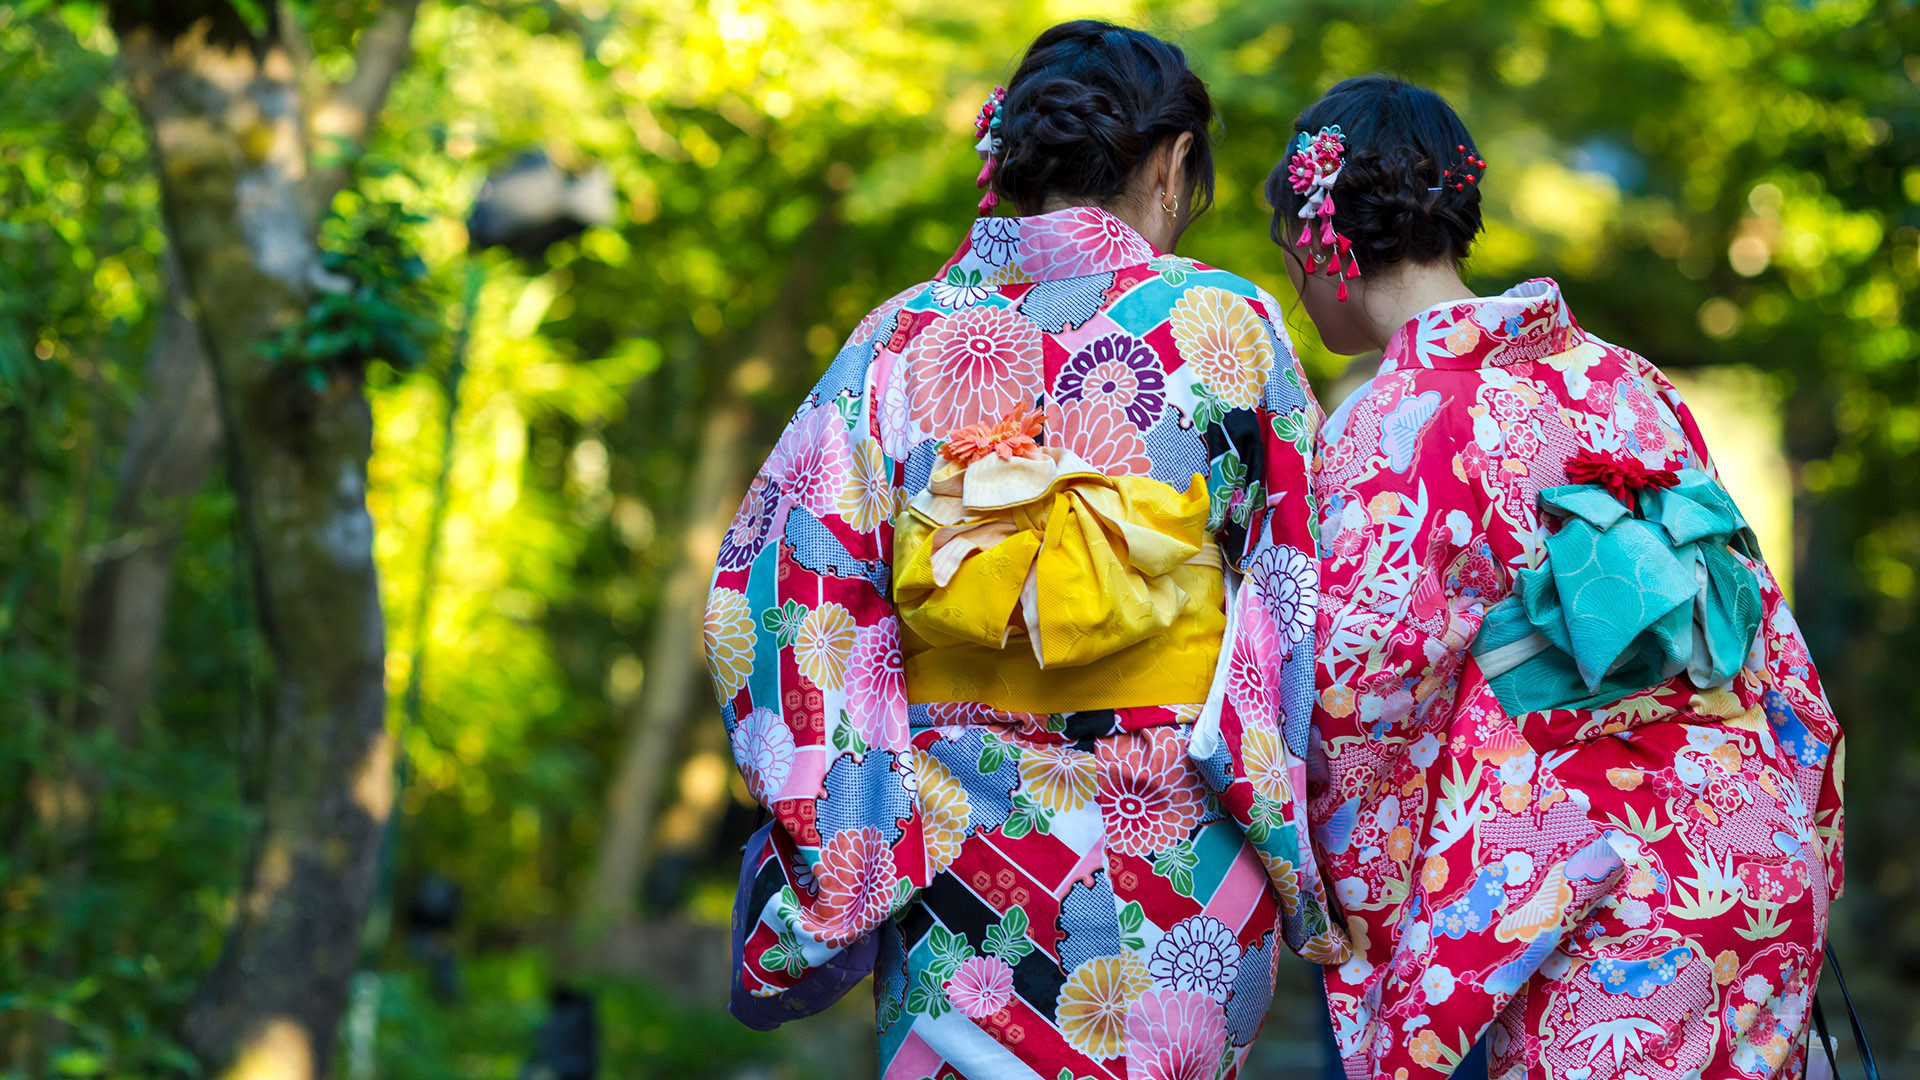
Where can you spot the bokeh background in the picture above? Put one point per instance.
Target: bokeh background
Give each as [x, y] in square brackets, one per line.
[323, 497]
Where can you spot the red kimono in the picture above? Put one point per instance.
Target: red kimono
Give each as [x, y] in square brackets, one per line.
[1638, 890]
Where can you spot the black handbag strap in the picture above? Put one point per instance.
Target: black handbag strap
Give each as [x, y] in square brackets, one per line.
[1853, 1015]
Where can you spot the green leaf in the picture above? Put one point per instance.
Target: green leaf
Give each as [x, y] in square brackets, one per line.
[1177, 864]
[1008, 939]
[1027, 816]
[1132, 919]
[992, 755]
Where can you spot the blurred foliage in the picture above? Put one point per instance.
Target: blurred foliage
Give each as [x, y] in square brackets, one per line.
[1713, 184]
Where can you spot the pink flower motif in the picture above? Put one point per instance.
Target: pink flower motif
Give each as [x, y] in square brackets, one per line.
[972, 367]
[855, 879]
[1100, 432]
[1078, 241]
[981, 987]
[1253, 670]
[810, 461]
[1149, 799]
[763, 748]
[876, 687]
[1175, 1035]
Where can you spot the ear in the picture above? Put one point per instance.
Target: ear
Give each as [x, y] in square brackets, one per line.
[1174, 167]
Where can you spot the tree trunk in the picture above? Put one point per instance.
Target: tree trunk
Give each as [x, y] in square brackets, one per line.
[169, 450]
[674, 679]
[232, 121]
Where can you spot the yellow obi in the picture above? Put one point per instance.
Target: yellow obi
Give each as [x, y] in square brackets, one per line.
[1039, 584]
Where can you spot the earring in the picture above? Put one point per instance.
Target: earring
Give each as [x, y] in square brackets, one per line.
[1172, 211]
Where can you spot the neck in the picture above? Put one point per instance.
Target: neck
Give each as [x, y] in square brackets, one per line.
[1405, 291]
[1154, 228]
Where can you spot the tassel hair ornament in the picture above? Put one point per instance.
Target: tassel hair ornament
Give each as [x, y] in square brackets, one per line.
[986, 128]
[1312, 171]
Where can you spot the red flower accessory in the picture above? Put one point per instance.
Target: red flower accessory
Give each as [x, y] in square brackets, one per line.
[1618, 473]
[1312, 171]
[1010, 438]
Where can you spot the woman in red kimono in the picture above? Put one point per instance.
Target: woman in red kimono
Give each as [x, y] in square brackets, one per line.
[1580, 788]
[1011, 633]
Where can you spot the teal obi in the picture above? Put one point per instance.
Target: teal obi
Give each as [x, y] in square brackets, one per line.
[1625, 601]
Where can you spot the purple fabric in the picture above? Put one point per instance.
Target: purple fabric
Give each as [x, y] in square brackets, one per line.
[820, 988]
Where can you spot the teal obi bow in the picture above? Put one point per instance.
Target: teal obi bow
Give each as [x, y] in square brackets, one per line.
[1625, 602]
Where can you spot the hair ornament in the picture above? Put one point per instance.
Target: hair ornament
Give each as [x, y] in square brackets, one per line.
[1312, 171]
[986, 128]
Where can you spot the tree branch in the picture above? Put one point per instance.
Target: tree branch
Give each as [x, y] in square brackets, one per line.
[350, 108]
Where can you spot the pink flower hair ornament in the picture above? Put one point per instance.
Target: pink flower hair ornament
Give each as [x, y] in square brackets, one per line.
[986, 128]
[1312, 171]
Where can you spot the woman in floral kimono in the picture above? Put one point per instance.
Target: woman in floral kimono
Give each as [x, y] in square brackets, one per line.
[1011, 632]
[1580, 784]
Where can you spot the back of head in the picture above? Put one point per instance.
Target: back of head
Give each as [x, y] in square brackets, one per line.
[1408, 188]
[1088, 106]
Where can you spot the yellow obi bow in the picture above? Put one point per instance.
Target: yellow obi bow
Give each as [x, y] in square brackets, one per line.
[1111, 584]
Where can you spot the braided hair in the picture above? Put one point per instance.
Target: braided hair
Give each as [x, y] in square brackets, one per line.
[1409, 186]
[1090, 103]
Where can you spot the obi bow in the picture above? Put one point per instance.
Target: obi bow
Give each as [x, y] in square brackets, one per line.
[1631, 594]
[1043, 546]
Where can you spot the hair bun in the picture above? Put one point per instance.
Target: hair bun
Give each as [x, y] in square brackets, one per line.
[1396, 198]
[1089, 104]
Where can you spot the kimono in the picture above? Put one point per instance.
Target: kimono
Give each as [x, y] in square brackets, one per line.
[1071, 807]
[1635, 887]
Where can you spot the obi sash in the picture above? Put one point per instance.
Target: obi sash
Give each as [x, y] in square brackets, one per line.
[1625, 601]
[1039, 584]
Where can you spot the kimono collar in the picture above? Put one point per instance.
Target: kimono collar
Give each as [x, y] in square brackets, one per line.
[1077, 241]
[1527, 322]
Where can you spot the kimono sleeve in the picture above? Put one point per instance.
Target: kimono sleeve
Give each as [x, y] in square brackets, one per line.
[1797, 708]
[1263, 689]
[804, 649]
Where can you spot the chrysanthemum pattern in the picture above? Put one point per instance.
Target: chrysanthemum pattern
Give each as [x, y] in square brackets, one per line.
[1225, 342]
[870, 497]
[855, 880]
[763, 747]
[1172, 1035]
[972, 367]
[1148, 794]
[1200, 954]
[1120, 370]
[824, 645]
[1060, 778]
[981, 987]
[945, 812]
[728, 638]
[1094, 1004]
[1102, 435]
[876, 686]
[809, 463]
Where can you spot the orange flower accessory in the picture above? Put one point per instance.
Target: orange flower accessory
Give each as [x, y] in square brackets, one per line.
[1010, 438]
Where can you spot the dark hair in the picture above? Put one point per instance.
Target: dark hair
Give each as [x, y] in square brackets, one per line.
[1089, 104]
[1403, 142]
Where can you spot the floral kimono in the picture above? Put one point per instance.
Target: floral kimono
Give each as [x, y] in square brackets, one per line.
[1620, 866]
[1010, 636]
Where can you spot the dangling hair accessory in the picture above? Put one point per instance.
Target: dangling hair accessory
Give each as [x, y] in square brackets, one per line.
[986, 127]
[1312, 170]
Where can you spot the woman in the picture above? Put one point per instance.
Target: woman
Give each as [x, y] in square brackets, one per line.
[974, 638]
[1581, 785]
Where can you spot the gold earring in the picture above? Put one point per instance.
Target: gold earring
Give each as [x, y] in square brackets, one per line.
[1172, 211]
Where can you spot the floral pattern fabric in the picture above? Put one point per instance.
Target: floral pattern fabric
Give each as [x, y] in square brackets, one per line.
[1069, 895]
[1636, 891]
